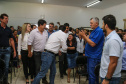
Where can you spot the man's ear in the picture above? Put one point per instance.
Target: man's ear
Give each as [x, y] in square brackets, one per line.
[106, 25]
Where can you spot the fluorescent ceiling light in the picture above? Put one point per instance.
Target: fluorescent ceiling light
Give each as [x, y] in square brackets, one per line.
[93, 3]
[42, 1]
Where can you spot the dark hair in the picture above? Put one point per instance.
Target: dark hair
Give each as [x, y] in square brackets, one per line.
[62, 27]
[110, 20]
[124, 30]
[51, 23]
[11, 26]
[14, 31]
[73, 40]
[41, 22]
[121, 30]
[66, 24]
[70, 29]
[2, 15]
[121, 36]
[32, 26]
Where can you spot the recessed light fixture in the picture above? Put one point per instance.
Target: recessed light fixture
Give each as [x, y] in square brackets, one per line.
[93, 3]
[42, 1]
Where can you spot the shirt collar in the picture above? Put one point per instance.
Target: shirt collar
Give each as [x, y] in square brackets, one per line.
[2, 27]
[97, 28]
[113, 32]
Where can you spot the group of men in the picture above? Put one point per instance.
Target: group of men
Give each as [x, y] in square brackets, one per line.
[47, 43]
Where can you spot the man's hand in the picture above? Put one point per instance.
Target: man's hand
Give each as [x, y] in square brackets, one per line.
[14, 54]
[29, 54]
[83, 54]
[19, 57]
[60, 53]
[105, 82]
[81, 33]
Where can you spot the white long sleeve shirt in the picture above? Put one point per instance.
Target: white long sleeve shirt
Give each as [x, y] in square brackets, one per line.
[22, 45]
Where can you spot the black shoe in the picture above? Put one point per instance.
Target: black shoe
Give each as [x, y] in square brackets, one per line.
[45, 82]
[31, 82]
[61, 76]
[65, 73]
[27, 82]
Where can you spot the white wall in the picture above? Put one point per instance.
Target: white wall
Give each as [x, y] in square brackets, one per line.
[20, 13]
[119, 12]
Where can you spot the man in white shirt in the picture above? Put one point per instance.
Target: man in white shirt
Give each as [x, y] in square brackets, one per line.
[62, 55]
[55, 41]
[38, 38]
[80, 45]
[111, 61]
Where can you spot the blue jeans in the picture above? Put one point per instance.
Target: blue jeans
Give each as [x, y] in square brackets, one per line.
[114, 80]
[5, 55]
[91, 63]
[48, 61]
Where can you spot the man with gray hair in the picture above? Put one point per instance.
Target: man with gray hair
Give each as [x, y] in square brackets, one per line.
[93, 48]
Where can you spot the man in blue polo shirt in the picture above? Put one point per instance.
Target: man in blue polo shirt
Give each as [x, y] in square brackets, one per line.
[93, 48]
[5, 36]
[50, 30]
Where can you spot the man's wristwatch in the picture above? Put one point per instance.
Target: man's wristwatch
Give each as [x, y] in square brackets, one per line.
[107, 79]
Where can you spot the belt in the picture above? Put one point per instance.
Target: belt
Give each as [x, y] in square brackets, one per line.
[48, 51]
[4, 47]
[37, 51]
[123, 71]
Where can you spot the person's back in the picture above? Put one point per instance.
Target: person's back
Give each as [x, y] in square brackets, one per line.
[56, 39]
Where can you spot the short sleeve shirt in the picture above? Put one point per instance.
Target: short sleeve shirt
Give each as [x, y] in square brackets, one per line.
[5, 35]
[97, 36]
[113, 47]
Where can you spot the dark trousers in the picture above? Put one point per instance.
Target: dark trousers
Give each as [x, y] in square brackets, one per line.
[38, 62]
[28, 63]
[63, 63]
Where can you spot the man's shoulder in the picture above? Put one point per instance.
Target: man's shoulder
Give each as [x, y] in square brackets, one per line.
[45, 31]
[33, 31]
[8, 28]
[99, 29]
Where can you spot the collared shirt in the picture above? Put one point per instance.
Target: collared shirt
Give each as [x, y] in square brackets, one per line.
[113, 47]
[55, 41]
[80, 45]
[97, 36]
[22, 44]
[38, 40]
[124, 57]
[50, 33]
[5, 35]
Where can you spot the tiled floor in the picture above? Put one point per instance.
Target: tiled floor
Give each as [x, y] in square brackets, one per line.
[20, 79]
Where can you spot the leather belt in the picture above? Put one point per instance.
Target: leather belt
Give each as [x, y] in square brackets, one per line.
[48, 51]
[4, 47]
